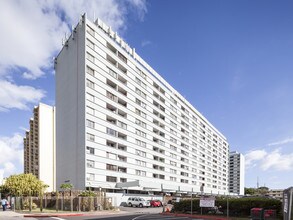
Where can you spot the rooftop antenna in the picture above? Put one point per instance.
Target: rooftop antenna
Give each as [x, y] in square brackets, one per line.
[257, 184]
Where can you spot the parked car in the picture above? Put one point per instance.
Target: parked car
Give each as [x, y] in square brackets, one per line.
[138, 202]
[155, 203]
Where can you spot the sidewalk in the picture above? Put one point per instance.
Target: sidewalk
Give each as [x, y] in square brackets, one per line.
[15, 215]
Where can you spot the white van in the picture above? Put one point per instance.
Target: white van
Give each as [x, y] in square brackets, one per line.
[138, 202]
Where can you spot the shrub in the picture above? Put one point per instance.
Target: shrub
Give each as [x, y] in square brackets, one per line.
[238, 207]
[26, 205]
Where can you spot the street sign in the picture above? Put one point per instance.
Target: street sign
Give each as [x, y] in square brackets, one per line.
[207, 202]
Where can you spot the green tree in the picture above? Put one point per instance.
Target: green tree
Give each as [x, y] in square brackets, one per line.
[250, 191]
[66, 186]
[24, 184]
[263, 190]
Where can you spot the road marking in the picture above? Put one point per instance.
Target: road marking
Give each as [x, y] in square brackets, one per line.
[153, 217]
[58, 218]
[137, 217]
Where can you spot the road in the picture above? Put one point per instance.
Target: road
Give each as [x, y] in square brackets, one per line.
[129, 213]
[123, 217]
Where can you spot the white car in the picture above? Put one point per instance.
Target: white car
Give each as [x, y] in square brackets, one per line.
[138, 202]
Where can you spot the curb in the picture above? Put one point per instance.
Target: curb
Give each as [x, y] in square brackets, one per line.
[195, 216]
[51, 215]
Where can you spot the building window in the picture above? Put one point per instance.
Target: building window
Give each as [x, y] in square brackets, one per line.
[173, 116]
[140, 123]
[111, 167]
[141, 113]
[90, 97]
[173, 171]
[142, 74]
[122, 158]
[90, 110]
[111, 179]
[173, 140]
[173, 179]
[90, 124]
[140, 143]
[140, 173]
[184, 181]
[122, 57]
[90, 71]
[173, 163]
[90, 84]
[90, 57]
[111, 132]
[140, 133]
[173, 148]
[140, 153]
[140, 163]
[123, 180]
[121, 125]
[140, 82]
[90, 150]
[173, 124]
[90, 163]
[111, 144]
[142, 104]
[139, 92]
[173, 155]
[90, 44]
[90, 31]
[122, 147]
[90, 137]
[90, 176]
[158, 176]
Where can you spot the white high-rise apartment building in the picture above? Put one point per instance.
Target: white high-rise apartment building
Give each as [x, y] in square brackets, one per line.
[236, 173]
[121, 125]
[39, 146]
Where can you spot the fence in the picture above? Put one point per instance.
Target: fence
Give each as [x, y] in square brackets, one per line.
[61, 203]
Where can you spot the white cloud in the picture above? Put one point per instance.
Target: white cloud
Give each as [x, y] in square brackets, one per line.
[14, 96]
[31, 31]
[253, 156]
[145, 43]
[11, 151]
[274, 160]
[285, 141]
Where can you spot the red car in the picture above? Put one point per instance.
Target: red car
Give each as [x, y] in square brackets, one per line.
[155, 203]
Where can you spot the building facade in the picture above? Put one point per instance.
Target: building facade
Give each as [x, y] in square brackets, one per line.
[276, 193]
[39, 146]
[120, 125]
[236, 173]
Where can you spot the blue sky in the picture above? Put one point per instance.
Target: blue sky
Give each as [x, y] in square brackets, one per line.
[231, 59]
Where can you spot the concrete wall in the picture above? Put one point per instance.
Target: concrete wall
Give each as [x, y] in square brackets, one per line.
[70, 96]
[47, 145]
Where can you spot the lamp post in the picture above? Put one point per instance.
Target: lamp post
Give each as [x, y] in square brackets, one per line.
[100, 190]
[191, 201]
[228, 206]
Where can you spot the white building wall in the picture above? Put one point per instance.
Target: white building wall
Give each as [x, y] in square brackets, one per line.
[84, 162]
[242, 175]
[70, 107]
[39, 146]
[236, 173]
[46, 132]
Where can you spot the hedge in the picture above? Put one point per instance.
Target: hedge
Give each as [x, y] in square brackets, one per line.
[238, 207]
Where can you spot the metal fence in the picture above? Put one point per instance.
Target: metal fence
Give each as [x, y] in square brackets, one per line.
[61, 203]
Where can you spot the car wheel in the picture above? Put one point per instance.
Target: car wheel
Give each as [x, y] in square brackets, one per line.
[129, 204]
[140, 205]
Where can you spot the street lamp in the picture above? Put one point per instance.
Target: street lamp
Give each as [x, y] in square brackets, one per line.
[100, 190]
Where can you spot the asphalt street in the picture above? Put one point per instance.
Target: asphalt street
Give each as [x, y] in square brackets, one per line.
[123, 217]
